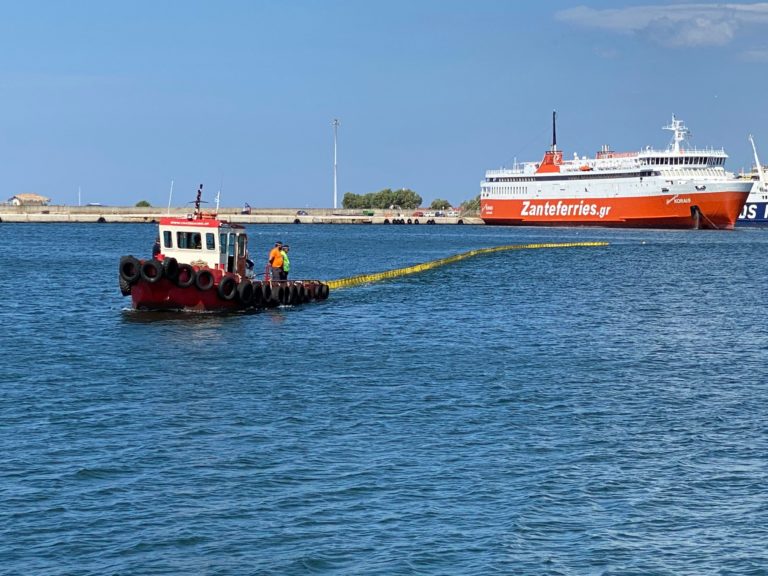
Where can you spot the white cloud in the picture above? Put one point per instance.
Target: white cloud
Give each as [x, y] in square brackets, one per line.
[607, 53]
[755, 55]
[677, 25]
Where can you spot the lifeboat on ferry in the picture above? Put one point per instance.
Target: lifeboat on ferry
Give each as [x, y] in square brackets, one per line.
[203, 265]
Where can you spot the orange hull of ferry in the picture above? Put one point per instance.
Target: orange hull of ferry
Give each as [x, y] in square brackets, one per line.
[713, 210]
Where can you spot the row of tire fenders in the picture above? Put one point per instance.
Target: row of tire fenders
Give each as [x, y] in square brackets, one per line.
[413, 221]
[250, 293]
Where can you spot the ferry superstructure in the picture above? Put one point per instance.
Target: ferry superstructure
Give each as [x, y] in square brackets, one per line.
[679, 187]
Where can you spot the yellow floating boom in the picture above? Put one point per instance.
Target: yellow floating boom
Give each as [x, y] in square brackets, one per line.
[368, 278]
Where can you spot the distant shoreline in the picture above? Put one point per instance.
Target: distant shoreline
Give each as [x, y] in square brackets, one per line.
[134, 215]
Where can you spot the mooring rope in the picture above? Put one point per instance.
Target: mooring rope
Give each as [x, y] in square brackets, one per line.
[368, 278]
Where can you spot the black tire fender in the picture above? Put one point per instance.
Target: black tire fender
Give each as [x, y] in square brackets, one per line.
[204, 279]
[276, 293]
[125, 287]
[185, 276]
[151, 271]
[171, 268]
[295, 294]
[286, 294]
[130, 269]
[227, 287]
[245, 292]
[258, 294]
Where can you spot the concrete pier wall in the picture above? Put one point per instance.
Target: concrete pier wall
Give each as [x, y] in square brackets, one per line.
[126, 214]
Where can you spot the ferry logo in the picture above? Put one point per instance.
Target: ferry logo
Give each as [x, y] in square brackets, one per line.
[677, 200]
[564, 209]
[749, 212]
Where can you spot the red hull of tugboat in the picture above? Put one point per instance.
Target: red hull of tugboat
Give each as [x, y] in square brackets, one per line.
[207, 290]
[165, 295]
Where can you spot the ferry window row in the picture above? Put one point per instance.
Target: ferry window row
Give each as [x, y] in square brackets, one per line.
[515, 179]
[587, 176]
[687, 161]
[505, 189]
[490, 190]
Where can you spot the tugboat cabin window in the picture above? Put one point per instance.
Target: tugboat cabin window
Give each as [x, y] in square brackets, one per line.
[223, 243]
[189, 240]
[168, 239]
[241, 244]
[210, 241]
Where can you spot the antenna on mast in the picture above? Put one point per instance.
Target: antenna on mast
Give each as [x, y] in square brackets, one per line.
[170, 195]
[335, 130]
[760, 173]
[680, 133]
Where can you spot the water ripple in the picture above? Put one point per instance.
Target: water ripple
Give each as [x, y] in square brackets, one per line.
[539, 412]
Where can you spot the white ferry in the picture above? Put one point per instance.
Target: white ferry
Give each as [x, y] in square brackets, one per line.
[680, 187]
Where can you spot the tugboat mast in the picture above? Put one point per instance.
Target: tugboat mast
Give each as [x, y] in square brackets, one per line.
[198, 213]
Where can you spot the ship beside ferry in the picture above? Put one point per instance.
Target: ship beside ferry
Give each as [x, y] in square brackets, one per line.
[679, 187]
[755, 209]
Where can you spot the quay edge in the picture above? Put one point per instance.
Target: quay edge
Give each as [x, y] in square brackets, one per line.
[126, 214]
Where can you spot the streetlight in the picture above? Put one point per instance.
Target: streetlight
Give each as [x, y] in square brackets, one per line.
[335, 130]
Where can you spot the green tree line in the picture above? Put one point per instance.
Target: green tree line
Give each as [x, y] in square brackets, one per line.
[404, 198]
[472, 205]
[439, 204]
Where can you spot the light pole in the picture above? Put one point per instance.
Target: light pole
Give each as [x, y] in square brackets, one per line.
[335, 130]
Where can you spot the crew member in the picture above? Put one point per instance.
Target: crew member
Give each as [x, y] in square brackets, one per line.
[286, 262]
[276, 261]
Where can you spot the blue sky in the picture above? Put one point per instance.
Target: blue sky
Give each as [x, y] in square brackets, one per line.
[120, 98]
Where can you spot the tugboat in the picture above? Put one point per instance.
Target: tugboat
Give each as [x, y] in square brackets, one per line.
[203, 265]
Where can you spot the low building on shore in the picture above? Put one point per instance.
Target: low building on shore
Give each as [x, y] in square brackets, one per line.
[28, 199]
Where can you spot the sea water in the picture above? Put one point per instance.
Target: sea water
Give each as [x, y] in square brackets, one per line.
[550, 411]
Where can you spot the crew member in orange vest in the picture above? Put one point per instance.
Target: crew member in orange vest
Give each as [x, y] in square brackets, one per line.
[276, 261]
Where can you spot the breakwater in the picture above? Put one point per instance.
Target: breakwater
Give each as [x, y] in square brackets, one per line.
[128, 214]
